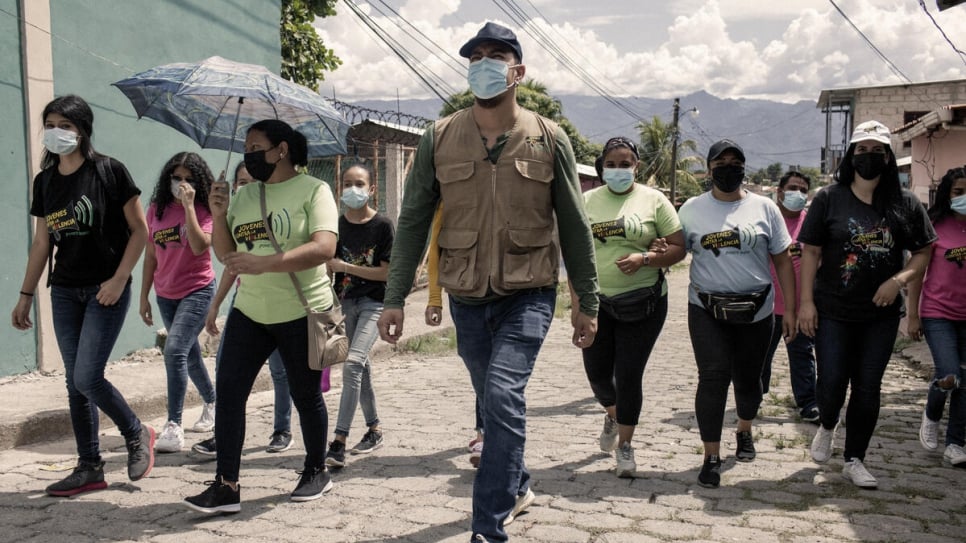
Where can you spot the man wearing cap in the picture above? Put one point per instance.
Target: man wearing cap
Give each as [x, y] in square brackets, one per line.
[732, 235]
[852, 271]
[504, 174]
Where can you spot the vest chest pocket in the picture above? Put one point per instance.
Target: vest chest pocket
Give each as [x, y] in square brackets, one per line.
[530, 259]
[534, 191]
[455, 186]
[457, 259]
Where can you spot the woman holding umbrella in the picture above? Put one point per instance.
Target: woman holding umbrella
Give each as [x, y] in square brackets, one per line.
[268, 314]
[88, 207]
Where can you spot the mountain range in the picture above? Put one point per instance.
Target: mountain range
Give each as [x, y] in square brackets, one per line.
[768, 131]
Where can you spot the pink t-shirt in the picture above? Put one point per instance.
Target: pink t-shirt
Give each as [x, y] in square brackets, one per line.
[180, 272]
[944, 289]
[793, 224]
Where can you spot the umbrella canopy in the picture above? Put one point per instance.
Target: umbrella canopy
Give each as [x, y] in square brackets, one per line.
[210, 100]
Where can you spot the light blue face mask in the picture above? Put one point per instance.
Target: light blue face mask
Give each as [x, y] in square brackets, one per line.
[794, 200]
[487, 78]
[355, 197]
[618, 179]
[959, 204]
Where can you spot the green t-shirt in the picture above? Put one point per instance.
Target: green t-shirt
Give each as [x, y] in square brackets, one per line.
[297, 208]
[624, 224]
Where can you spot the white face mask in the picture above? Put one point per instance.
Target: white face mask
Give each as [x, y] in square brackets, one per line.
[355, 197]
[958, 204]
[794, 200]
[176, 189]
[60, 141]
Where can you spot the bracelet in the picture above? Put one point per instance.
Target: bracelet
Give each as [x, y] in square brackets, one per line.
[647, 259]
[902, 286]
[29, 294]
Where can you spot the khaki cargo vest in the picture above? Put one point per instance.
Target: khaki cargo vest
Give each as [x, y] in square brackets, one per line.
[498, 221]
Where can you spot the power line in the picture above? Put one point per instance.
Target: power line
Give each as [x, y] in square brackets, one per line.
[962, 55]
[895, 69]
[448, 59]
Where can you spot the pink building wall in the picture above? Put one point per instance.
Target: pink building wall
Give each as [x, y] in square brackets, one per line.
[932, 157]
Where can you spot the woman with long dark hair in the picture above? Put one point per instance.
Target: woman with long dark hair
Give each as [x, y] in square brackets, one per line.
[87, 206]
[937, 310]
[177, 262]
[852, 271]
[267, 313]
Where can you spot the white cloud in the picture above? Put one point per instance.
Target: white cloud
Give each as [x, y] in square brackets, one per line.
[699, 46]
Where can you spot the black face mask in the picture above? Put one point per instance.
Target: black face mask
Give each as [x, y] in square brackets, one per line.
[869, 166]
[727, 178]
[257, 166]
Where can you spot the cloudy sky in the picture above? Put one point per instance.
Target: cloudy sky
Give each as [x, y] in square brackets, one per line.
[785, 50]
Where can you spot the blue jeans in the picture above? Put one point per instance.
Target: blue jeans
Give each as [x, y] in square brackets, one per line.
[499, 342]
[184, 320]
[361, 315]
[801, 366]
[947, 343]
[283, 398]
[86, 332]
[246, 345]
[615, 362]
[853, 354]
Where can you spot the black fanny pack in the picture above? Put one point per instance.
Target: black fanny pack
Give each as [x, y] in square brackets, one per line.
[633, 305]
[736, 308]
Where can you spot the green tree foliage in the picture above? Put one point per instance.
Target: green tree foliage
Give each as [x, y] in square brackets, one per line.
[304, 57]
[533, 96]
[655, 150]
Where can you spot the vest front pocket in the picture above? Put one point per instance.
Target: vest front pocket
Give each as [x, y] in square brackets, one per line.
[457, 259]
[455, 186]
[530, 259]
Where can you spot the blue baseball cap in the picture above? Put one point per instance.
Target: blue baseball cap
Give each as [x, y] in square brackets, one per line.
[493, 32]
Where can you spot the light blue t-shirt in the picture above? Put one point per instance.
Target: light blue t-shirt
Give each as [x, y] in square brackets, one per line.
[731, 244]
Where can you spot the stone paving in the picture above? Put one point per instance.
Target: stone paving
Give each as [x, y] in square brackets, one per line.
[417, 487]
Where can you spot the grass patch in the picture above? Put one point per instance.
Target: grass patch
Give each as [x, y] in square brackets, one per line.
[563, 301]
[786, 400]
[901, 343]
[435, 344]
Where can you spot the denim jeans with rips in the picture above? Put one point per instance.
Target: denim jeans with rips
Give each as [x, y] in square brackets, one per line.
[499, 341]
[947, 343]
[86, 332]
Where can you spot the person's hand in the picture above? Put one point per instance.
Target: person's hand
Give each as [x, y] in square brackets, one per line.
[391, 325]
[145, 312]
[630, 263]
[20, 316]
[187, 194]
[111, 290]
[659, 246]
[336, 264]
[886, 294]
[434, 315]
[219, 197]
[789, 328]
[914, 327]
[585, 329]
[244, 263]
[807, 319]
[211, 321]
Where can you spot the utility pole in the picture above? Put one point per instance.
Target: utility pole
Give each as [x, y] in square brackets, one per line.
[674, 152]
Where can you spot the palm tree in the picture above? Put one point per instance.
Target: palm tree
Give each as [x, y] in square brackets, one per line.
[655, 150]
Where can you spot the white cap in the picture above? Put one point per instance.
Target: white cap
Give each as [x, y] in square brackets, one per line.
[871, 131]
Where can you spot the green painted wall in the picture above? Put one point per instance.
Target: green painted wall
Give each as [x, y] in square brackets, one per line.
[96, 43]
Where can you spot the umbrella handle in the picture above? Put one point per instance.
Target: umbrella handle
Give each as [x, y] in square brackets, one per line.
[234, 129]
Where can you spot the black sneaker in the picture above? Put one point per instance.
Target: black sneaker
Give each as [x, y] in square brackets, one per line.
[746, 447]
[140, 454]
[370, 442]
[710, 476]
[811, 414]
[335, 458]
[206, 447]
[312, 484]
[217, 498]
[280, 442]
[86, 477]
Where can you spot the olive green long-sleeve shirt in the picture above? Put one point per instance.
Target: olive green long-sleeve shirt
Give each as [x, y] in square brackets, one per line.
[422, 196]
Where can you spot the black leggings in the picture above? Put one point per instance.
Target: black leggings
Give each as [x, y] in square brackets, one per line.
[615, 362]
[726, 353]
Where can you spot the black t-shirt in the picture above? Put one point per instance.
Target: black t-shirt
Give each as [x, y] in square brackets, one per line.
[366, 244]
[85, 221]
[859, 251]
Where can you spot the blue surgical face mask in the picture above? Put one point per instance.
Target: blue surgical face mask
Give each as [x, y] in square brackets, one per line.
[487, 78]
[60, 141]
[959, 204]
[355, 197]
[794, 200]
[618, 179]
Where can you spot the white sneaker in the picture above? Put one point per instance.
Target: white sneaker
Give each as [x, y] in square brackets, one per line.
[523, 502]
[822, 444]
[206, 422]
[955, 455]
[626, 466]
[855, 471]
[171, 439]
[928, 433]
[608, 437]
